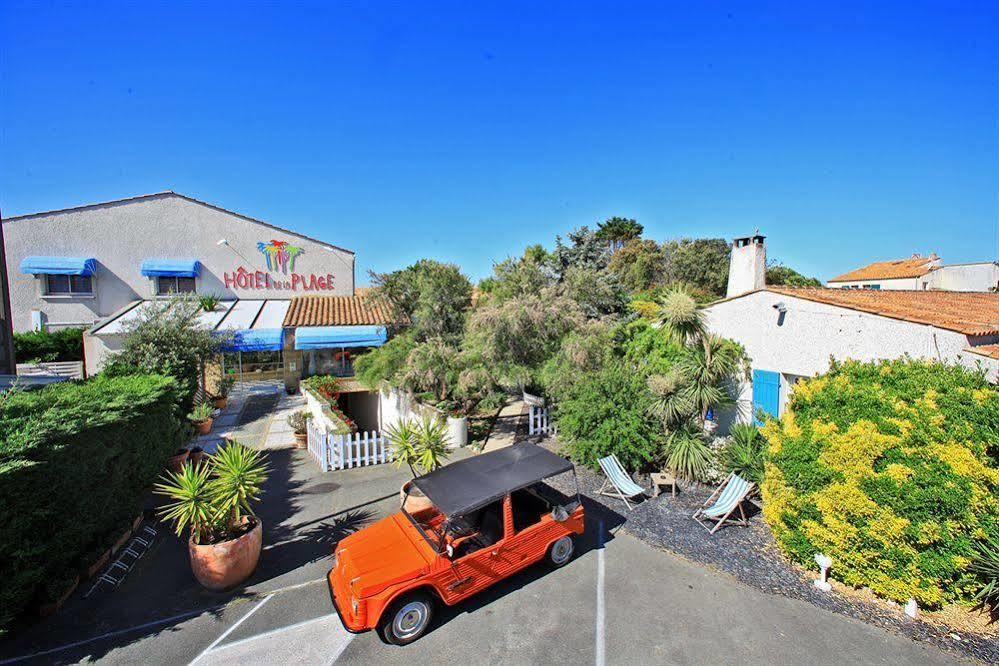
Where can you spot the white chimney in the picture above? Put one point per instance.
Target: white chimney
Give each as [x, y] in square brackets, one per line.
[748, 266]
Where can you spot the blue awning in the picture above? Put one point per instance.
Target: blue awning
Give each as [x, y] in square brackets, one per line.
[331, 337]
[58, 265]
[257, 339]
[171, 267]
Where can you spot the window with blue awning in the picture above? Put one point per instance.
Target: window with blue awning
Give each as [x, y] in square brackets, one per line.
[331, 337]
[258, 339]
[171, 267]
[59, 265]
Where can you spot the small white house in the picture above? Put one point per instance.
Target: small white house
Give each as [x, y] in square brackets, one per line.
[791, 333]
[921, 273]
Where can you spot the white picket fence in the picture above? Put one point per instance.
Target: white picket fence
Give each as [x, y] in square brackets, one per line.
[539, 421]
[333, 452]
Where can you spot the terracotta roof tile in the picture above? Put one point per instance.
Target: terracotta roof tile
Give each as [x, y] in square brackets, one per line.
[336, 311]
[992, 351]
[971, 313]
[890, 270]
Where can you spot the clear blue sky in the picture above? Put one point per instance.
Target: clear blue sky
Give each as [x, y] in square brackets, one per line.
[846, 133]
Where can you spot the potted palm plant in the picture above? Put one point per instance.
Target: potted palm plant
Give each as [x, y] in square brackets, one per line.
[214, 500]
[423, 447]
[299, 422]
[221, 397]
[201, 417]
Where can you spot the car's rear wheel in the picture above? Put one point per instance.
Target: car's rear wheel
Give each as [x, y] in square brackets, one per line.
[560, 552]
[407, 618]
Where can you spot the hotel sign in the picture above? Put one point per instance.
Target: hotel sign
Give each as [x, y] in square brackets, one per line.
[279, 259]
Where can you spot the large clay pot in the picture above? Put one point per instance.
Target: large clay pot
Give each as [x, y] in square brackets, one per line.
[223, 565]
[220, 402]
[203, 427]
[176, 462]
[415, 501]
[301, 440]
[197, 453]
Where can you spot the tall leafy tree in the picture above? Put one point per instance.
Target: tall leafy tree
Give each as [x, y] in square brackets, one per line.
[431, 295]
[779, 274]
[699, 262]
[581, 249]
[639, 265]
[617, 231]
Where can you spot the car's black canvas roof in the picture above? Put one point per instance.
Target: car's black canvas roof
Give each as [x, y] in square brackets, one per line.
[468, 484]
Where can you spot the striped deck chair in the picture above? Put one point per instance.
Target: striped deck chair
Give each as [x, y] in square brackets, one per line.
[726, 499]
[618, 483]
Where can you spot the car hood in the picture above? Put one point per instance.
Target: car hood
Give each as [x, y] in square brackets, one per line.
[382, 554]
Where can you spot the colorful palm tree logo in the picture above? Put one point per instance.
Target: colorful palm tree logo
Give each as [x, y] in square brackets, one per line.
[280, 255]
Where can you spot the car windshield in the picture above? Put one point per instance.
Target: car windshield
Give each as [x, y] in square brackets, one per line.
[430, 522]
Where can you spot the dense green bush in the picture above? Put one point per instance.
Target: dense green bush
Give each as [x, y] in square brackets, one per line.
[385, 363]
[62, 345]
[608, 412]
[887, 468]
[76, 459]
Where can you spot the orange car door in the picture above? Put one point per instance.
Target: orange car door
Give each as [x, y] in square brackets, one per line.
[473, 572]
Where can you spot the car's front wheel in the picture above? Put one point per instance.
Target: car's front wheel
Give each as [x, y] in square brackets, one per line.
[560, 552]
[407, 618]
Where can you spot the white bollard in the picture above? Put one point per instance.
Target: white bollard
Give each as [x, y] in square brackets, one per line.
[912, 608]
[824, 562]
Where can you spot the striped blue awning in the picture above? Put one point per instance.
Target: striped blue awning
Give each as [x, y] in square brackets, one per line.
[59, 265]
[331, 337]
[258, 339]
[171, 267]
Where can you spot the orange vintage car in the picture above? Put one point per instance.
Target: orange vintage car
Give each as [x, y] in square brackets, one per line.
[484, 518]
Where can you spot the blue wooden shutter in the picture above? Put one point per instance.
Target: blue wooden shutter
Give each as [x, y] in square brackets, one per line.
[766, 392]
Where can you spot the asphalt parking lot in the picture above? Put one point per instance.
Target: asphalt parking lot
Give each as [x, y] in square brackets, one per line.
[618, 602]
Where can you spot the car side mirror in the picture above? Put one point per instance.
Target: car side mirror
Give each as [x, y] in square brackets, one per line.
[559, 514]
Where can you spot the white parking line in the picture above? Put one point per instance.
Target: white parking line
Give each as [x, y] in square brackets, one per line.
[601, 620]
[231, 629]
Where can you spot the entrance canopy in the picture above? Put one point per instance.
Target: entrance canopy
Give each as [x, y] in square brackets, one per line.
[59, 265]
[171, 267]
[329, 337]
[258, 339]
[471, 483]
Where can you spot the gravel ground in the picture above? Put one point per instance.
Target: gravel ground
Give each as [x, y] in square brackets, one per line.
[751, 555]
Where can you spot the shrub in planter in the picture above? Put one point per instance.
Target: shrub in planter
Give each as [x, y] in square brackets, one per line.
[299, 422]
[221, 397]
[201, 417]
[76, 459]
[420, 445]
[887, 468]
[214, 501]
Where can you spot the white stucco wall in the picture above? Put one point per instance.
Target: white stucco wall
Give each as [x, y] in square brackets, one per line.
[813, 332]
[121, 235]
[964, 277]
[395, 406]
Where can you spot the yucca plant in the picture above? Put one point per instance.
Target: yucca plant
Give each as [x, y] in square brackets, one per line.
[420, 445]
[688, 456]
[192, 504]
[239, 473]
[208, 302]
[985, 565]
[213, 497]
[744, 454]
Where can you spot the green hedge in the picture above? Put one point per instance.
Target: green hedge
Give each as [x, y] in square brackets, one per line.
[76, 460]
[63, 345]
[890, 469]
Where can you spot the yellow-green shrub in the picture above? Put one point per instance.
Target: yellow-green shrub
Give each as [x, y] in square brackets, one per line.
[890, 469]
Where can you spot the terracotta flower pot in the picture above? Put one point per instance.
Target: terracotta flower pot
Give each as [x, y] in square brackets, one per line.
[197, 453]
[220, 403]
[223, 565]
[203, 427]
[415, 501]
[176, 463]
[301, 440]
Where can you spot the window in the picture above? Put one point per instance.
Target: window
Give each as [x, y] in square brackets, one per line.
[68, 285]
[528, 508]
[876, 287]
[174, 285]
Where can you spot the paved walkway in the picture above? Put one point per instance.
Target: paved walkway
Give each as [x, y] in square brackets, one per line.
[257, 415]
[504, 432]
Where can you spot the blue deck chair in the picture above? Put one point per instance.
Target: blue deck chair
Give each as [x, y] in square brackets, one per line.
[618, 483]
[726, 499]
